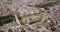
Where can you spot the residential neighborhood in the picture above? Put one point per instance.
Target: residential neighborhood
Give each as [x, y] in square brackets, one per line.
[29, 15]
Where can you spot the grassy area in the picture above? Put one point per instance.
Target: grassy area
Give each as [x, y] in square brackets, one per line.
[21, 22]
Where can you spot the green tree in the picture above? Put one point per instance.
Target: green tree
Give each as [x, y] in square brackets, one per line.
[45, 6]
[52, 26]
[10, 30]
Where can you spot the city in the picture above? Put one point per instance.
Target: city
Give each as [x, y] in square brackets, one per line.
[29, 15]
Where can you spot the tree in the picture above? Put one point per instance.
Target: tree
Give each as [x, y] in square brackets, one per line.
[10, 30]
[52, 26]
[6, 19]
[45, 6]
